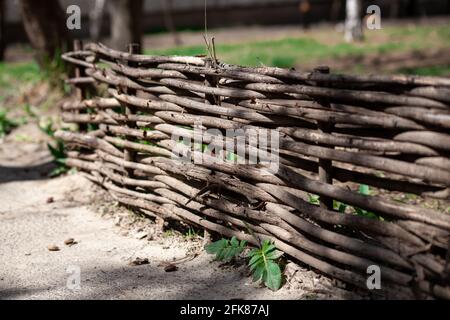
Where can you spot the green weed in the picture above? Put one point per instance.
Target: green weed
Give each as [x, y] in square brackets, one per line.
[6, 124]
[57, 150]
[263, 261]
[342, 207]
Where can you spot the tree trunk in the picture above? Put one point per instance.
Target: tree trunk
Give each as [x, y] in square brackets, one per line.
[353, 28]
[2, 29]
[125, 18]
[96, 20]
[46, 28]
[168, 20]
[394, 10]
[335, 10]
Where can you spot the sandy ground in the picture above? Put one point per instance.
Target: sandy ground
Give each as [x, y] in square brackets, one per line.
[37, 212]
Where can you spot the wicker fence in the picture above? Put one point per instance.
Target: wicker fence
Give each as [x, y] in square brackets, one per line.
[335, 134]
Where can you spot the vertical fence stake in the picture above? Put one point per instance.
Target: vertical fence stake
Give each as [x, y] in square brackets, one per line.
[325, 166]
[77, 46]
[210, 81]
[79, 88]
[130, 155]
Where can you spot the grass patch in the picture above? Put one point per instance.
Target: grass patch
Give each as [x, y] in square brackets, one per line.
[440, 71]
[12, 74]
[290, 52]
[284, 53]
[15, 76]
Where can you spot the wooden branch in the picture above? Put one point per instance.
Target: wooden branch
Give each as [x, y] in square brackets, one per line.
[142, 59]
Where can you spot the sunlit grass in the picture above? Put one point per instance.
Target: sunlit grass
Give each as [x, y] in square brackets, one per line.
[428, 71]
[290, 52]
[14, 76]
[287, 52]
[12, 73]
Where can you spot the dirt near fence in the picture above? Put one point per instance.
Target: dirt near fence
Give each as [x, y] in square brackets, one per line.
[119, 255]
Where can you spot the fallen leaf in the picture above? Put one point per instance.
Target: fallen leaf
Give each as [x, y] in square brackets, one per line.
[139, 262]
[170, 268]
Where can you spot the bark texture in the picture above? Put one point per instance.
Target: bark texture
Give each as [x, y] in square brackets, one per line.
[45, 27]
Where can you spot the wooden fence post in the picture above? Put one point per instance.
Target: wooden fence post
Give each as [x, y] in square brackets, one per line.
[130, 155]
[325, 166]
[79, 88]
[210, 81]
[2, 29]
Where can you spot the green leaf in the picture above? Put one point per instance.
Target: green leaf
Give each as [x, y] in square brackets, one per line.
[255, 261]
[58, 171]
[313, 198]
[253, 252]
[220, 255]
[367, 214]
[225, 250]
[215, 247]
[232, 156]
[266, 244]
[229, 253]
[342, 207]
[53, 150]
[273, 276]
[61, 161]
[364, 189]
[263, 265]
[269, 248]
[258, 273]
[274, 255]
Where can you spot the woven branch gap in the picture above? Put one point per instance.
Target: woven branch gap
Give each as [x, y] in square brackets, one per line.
[335, 132]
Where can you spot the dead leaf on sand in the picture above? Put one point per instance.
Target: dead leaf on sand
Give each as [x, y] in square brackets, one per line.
[139, 261]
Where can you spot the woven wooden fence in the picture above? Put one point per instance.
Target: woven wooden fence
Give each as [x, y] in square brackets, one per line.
[336, 134]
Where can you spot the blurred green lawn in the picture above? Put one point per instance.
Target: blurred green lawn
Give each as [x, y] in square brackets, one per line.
[291, 52]
[313, 48]
[14, 77]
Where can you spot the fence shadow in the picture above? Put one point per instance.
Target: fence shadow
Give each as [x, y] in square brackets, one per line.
[25, 173]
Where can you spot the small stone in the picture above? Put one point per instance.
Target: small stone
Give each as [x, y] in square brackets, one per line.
[53, 247]
[69, 242]
[50, 200]
[140, 235]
